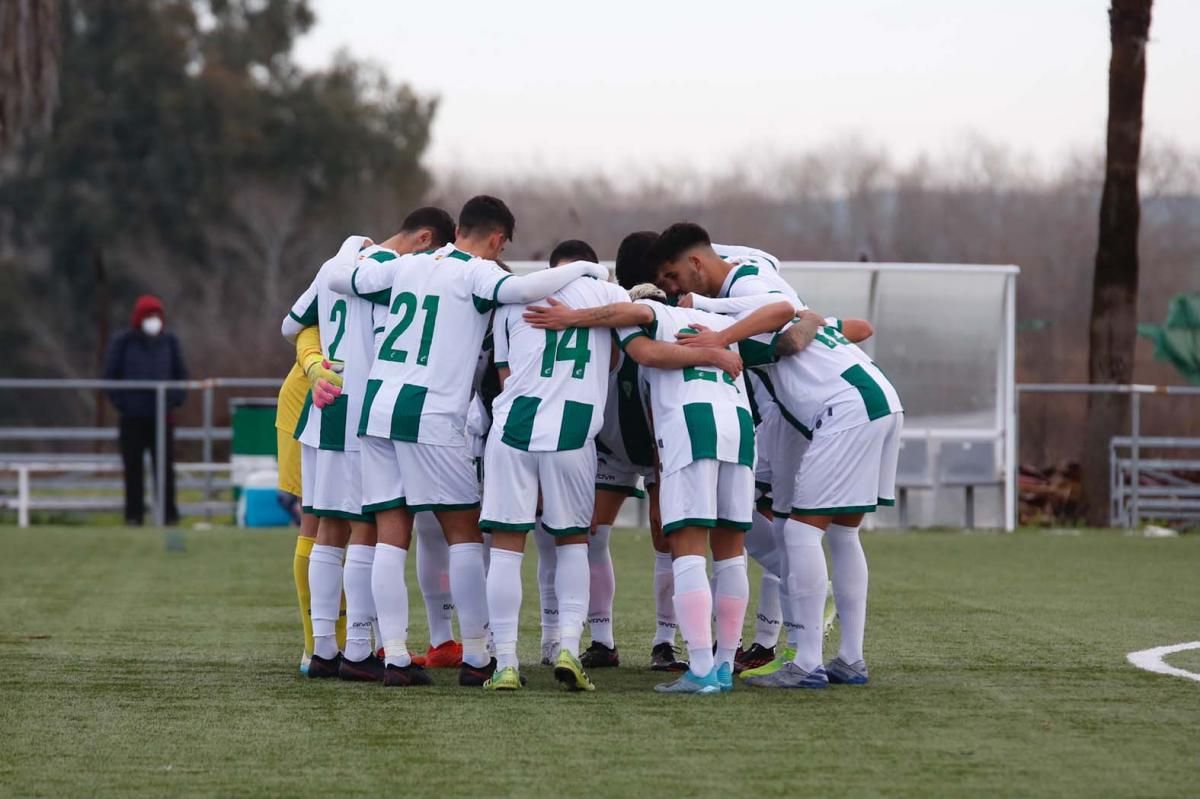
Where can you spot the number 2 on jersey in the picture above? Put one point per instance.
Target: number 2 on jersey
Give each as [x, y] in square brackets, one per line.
[337, 314]
[405, 305]
[561, 349]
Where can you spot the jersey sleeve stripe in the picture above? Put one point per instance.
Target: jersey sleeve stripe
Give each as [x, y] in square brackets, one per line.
[636, 334]
[743, 271]
[381, 297]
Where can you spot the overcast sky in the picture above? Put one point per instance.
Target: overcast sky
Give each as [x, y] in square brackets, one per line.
[617, 84]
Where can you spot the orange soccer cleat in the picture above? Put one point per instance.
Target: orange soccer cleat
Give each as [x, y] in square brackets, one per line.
[446, 655]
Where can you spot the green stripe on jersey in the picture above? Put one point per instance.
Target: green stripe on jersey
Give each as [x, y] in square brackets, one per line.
[406, 413]
[333, 424]
[783, 411]
[623, 343]
[383, 256]
[702, 429]
[459, 255]
[309, 317]
[368, 400]
[872, 395]
[745, 438]
[518, 428]
[381, 297]
[756, 353]
[743, 271]
[576, 419]
[303, 420]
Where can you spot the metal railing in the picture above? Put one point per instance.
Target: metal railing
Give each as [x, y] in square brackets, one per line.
[207, 432]
[1136, 441]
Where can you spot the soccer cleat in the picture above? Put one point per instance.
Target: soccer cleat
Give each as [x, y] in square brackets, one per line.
[690, 683]
[369, 669]
[599, 656]
[725, 676]
[569, 671]
[754, 657]
[507, 679]
[475, 676]
[791, 676]
[785, 656]
[405, 676]
[446, 655]
[842, 673]
[304, 660]
[320, 668]
[663, 658]
[550, 652]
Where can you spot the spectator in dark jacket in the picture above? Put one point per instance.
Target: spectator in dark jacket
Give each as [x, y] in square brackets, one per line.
[144, 352]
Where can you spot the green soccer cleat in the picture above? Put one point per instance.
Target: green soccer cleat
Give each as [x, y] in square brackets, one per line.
[506, 679]
[569, 671]
[786, 654]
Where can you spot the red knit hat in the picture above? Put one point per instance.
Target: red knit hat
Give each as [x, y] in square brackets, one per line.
[146, 305]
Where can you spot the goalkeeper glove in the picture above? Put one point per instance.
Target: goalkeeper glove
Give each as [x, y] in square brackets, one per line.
[325, 380]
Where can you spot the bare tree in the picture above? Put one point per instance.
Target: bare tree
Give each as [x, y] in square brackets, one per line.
[1113, 329]
[30, 46]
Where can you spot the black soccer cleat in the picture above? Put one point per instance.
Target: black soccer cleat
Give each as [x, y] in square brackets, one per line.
[320, 668]
[754, 657]
[369, 669]
[662, 658]
[599, 656]
[476, 676]
[405, 676]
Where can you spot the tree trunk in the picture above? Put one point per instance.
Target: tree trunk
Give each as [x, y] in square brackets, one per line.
[30, 46]
[1113, 328]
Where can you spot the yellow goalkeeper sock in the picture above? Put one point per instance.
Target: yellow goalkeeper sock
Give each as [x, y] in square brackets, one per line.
[304, 547]
[340, 629]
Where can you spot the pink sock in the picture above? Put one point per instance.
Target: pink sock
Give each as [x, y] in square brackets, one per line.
[693, 611]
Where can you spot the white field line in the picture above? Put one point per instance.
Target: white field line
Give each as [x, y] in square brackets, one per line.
[1152, 660]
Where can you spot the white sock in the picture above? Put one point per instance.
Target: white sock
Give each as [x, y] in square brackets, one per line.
[733, 595]
[504, 604]
[547, 560]
[325, 590]
[391, 602]
[809, 582]
[433, 575]
[360, 601]
[664, 604]
[849, 589]
[787, 606]
[761, 543]
[693, 609]
[603, 586]
[767, 621]
[571, 584]
[468, 586]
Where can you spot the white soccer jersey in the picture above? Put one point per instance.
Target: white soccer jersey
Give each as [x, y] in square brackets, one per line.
[830, 385]
[750, 255]
[698, 412]
[554, 397]
[346, 335]
[625, 433]
[438, 304]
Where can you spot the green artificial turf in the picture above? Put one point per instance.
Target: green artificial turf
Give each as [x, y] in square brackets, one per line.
[137, 664]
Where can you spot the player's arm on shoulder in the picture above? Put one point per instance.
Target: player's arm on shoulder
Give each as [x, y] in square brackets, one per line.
[520, 289]
[558, 316]
[735, 305]
[664, 355]
[800, 334]
[766, 319]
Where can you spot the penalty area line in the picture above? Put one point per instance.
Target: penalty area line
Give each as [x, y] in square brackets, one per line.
[1153, 660]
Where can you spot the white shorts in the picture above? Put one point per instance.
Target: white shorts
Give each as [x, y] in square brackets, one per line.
[707, 493]
[787, 455]
[419, 477]
[332, 483]
[850, 471]
[765, 436]
[619, 475]
[511, 481]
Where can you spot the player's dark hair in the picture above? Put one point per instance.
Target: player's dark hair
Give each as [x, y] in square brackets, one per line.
[438, 220]
[676, 240]
[572, 250]
[633, 265]
[485, 214]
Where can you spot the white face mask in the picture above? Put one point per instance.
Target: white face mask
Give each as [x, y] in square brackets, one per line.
[152, 325]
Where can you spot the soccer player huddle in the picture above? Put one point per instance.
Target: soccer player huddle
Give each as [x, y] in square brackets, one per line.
[453, 401]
